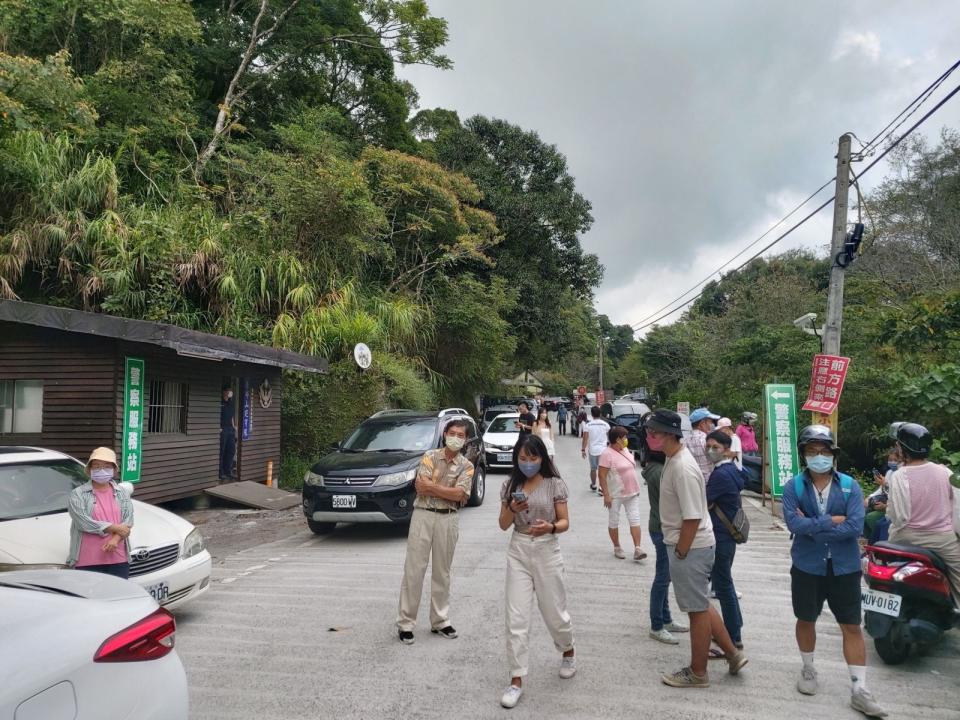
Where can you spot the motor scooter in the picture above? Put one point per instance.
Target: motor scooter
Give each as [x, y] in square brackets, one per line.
[908, 602]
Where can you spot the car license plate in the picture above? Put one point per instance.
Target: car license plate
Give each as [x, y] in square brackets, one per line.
[159, 592]
[346, 502]
[504, 457]
[881, 602]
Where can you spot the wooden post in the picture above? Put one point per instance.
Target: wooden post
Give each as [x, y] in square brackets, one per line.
[269, 473]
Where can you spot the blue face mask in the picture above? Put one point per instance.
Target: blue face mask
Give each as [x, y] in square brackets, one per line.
[820, 464]
[893, 466]
[529, 468]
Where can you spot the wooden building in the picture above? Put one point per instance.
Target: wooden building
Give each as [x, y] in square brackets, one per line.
[65, 384]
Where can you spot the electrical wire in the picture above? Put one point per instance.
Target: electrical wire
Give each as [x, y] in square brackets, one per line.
[645, 324]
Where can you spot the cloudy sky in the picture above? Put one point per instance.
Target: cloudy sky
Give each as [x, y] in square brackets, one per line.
[692, 126]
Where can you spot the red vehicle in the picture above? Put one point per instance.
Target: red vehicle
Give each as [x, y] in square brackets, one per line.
[908, 603]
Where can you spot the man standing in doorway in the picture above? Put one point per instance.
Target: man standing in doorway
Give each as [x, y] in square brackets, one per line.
[688, 535]
[228, 434]
[703, 422]
[823, 510]
[444, 481]
[594, 442]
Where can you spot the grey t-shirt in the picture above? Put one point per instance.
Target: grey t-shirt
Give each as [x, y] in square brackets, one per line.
[541, 502]
[683, 496]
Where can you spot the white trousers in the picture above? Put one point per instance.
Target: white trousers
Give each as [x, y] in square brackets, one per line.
[630, 505]
[432, 537]
[534, 569]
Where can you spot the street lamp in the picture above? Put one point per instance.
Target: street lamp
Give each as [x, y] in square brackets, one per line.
[808, 324]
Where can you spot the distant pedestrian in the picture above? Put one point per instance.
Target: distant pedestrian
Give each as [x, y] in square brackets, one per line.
[534, 501]
[823, 510]
[688, 534]
[581, 420]
[723, 498]
[726, 425]
[526, 420]
[745, 431]
[562, 418]
[617, 475]
[662, 624]
[444, 480]
[544, 430]
[703, 422]
[101, 517]
[228, 434]
[594, 443]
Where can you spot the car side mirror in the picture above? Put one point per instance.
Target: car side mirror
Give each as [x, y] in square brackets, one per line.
[335, 446]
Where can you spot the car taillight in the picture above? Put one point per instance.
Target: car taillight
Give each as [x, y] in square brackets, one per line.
[148, 639]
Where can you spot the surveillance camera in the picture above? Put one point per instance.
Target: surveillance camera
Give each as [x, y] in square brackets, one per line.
[805, 321]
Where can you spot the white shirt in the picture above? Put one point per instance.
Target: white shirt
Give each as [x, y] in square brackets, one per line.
[596, 430]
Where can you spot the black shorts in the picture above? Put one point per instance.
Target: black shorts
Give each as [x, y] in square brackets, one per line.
[842, 593]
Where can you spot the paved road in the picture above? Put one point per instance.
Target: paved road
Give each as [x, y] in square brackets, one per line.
[303, 628]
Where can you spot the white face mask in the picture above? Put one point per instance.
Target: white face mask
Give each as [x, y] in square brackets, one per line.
[101, 475]
[455, 443]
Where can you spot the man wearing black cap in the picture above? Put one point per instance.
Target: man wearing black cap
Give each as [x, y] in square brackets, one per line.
[688, 535]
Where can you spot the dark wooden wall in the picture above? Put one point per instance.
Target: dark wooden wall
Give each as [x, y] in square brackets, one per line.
[83, 406]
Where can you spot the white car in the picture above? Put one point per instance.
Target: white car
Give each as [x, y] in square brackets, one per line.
[499, 439]
[168, 558]
[86, 646]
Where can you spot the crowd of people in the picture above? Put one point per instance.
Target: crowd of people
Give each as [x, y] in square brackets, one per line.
[696, 521]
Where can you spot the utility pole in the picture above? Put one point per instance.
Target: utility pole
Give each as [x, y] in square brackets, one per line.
[600, 359]
[831, 329]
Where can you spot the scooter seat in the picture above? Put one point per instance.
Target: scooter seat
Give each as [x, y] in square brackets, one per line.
[934, 559]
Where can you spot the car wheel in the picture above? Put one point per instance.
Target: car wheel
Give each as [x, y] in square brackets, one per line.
[479, 487]
[321, 528]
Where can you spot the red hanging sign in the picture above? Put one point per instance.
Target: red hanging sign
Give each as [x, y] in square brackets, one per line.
[826, 383]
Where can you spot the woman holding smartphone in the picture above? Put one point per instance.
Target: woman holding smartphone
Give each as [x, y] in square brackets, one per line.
[534, 502]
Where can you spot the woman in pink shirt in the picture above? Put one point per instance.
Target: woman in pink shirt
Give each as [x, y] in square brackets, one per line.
[618, 483]
[101, 516]
[748, 438]
[920, 501]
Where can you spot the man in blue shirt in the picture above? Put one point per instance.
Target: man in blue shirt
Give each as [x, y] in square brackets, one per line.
[824, 511]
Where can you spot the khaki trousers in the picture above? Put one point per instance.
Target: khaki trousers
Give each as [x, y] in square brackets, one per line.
[432, 538]
[534, 569]
[946, 545]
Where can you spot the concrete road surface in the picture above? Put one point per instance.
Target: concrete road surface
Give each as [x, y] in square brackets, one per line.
[304, 628]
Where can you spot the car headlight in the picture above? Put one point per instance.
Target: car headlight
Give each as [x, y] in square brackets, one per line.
[489, 447]
[10, 567]
[313, 479]
[397, 478]
[193, 544]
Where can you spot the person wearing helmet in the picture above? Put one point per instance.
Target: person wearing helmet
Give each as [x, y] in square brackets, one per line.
[747, 435]
[823, 510]
[920, 501]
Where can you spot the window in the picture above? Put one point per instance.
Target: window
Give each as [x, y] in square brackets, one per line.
[167, 409]
[21, 406]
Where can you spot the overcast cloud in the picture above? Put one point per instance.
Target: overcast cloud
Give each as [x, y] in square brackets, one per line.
[691, 126]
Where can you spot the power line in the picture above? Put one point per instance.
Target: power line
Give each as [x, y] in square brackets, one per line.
[643, 325]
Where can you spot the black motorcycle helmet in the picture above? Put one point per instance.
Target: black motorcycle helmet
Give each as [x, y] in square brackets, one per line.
[915, 439]
[816, 433]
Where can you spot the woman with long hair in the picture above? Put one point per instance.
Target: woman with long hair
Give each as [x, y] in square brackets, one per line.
[544, 430]
[534, 502]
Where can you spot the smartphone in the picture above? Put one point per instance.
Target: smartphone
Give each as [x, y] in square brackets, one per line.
[520, 496]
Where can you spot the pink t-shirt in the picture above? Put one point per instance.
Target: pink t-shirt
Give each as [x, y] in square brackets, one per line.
[748, 439]
[930, 505]
[622, 480]
[105, 509]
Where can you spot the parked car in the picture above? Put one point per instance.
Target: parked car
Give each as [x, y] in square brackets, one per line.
[168, 558]
[490, 413]
[499, 440]
[369, 477]
[86, 645]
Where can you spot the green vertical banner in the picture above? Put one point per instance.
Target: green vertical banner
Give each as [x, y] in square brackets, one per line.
[133, 408]
[780, 402]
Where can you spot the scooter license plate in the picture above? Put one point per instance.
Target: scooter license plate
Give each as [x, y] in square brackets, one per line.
[881, 602]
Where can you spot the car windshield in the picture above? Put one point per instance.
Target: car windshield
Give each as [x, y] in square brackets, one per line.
[627, 420]
[503, 425]
[405, 435]
[39, 488]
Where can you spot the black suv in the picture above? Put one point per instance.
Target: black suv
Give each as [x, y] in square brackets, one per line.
[369, 477]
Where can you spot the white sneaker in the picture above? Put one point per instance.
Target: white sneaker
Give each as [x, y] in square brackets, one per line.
[676, 627]
[568, 666]
[511, 696]
[864, 701]
[618, 553]
[639, 554]
[663, 635]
